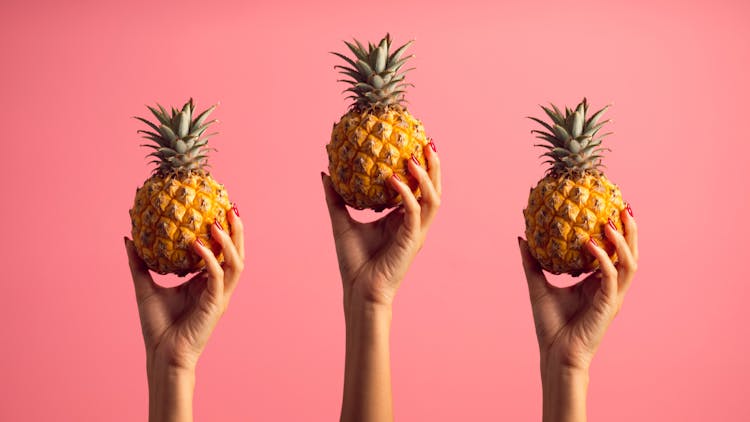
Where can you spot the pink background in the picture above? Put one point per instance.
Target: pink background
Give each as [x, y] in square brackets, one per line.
[463, 341]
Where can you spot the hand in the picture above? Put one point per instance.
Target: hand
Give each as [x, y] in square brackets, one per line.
[177, 322]
[374, 257]
[571, 322]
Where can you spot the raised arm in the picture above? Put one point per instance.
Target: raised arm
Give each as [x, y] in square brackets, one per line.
[571, 322]
[373, 260]
[177, 322]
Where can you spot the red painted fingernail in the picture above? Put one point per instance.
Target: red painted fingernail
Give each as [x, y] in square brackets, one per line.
[612, 224]
[236, 211]
[630, 210]
[414, 160]
[397, 177]
[200, 242]
[432, 145]
[593, 242]
[218, 226]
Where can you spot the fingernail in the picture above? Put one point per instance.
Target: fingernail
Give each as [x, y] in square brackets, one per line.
[612, 224]
[218, 226]
[200, 242]
[519, 240]
[414, 160]
[593, 242]
[630, 210]
[236, 211]
[322, 175]
[397, 177]
[432, 145]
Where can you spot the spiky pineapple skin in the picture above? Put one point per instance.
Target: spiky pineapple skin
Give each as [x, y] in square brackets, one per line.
[170, 211]
[366, 148]
[564, 212]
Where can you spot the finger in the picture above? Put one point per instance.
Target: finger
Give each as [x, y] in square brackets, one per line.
[433, 166]
[142, 280]
[607, 268]
[233, 263]
[627, 265]
[631, 230]
[412, 211]
[215, 282]
[238, 231]
[537, 282]
[627, 262]
[340, 219]
[430, 198]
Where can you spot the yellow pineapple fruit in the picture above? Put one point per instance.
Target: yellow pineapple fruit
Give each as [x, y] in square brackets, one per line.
[575, 200]
[375, 138]
[181, 200]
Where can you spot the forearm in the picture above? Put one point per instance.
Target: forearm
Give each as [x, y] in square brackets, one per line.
[170, 394]
[564, 394]
[367, 373]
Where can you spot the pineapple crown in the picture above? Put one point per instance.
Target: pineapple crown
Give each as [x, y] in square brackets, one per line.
[377, 81]
[573, 142]
[179, 139]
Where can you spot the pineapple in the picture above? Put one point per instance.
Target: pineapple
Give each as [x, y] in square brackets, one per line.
[181, 200]
[575, 200]
[374, 139]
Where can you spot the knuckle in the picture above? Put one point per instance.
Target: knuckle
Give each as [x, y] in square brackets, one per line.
[239, 266]
[415, 211]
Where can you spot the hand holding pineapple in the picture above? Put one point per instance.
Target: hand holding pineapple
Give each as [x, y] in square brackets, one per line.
[571, 322]
[177, 322]
[374, 257]
[373, 260]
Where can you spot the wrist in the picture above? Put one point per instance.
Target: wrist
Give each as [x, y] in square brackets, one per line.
[565, 376]
[362, 309]
[160, 371]
[170, 362]
[570, 368]
[571, 362]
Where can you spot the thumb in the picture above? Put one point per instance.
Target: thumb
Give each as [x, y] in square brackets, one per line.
[142, 281]
[340, 219]
[535, 278]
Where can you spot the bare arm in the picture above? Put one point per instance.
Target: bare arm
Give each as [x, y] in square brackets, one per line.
[367, 373]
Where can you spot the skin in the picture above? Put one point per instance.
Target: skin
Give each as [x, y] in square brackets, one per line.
[177, 322]
[571, 322]
[373, 260]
